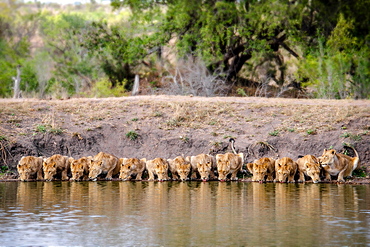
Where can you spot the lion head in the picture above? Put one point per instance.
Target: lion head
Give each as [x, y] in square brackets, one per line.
[50, 169]
[128, 166]
[313, 171]
[259, 172]
[79, 168]
[328, 157]
[223, 167]
[24, 171]
[95, 169]
[204, 170]
[161, 168]
[183, 170]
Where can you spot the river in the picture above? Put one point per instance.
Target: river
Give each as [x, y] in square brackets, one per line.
[115, 213]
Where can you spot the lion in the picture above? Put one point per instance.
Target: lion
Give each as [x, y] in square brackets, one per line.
[56, 165]
[262, 168]
[229, 163]
[104, 163]
[130, 167]
[339, 164]
[285, 169]
[309, 165]
[29, 166]
[204, 165]
[80, 168]
[158, 167]
[180, 167]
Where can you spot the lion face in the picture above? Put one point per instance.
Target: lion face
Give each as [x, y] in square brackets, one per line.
[313, 171]
[24, 171]
[204, 170]
[223, 168]
[183, 170]
[259, 172]
[161, 171]
[327, 158]
[50, 169]
[282, 173]
[77, 170]
[128, 166]
[95, 170]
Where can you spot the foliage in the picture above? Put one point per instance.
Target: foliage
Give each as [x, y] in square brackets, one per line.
[132, 135]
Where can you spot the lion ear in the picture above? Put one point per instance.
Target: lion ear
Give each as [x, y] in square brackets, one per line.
[333, 152]
[133, 167]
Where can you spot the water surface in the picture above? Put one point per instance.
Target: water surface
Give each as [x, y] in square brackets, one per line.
[115, 213]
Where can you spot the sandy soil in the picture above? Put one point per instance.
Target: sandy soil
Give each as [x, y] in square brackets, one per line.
[168, 126]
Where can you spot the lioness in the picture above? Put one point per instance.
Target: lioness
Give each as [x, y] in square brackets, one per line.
[80, 168]
[229, 163]
[104, 163]
[180, 166]
[261, 168]
[309, 165]
[285, 168]
[131, 167]
[159, 167]
[28, 167]
[204, 165]
[56, 165]
[338, 164]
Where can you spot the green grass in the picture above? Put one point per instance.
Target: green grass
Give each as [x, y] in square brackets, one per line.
[132, 135]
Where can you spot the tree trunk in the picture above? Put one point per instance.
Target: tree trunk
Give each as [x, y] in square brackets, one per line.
[17, 82]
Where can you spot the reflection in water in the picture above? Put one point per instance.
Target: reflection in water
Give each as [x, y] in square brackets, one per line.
[183, 214]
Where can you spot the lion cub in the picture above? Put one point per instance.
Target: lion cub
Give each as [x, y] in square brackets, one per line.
[56, 165]
[159, 167]
[80, 168]
[285, 169]
[309, 165]
[262, 168]
[229, 163]
[131, 167]
[180, 167]
[104, 163]
[204, 165]
[339, 164]
[29, 166]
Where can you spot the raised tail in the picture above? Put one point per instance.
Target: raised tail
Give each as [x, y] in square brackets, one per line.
[232, 141]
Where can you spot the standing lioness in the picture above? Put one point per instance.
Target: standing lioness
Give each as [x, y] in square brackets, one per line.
[339, 164]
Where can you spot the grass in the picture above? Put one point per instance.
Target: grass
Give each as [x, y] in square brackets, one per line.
[132, 135]
[274, 133]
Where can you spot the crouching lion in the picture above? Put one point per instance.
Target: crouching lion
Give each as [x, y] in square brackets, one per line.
[104, 163]
[204, 165]
[229, 163]
[339, 164]
[55, 166]
[29, 167]
[309, 165]
[180, 167]
[131, 167]
[285, 169]
[262, 168]
[158, 167]
[80, 168]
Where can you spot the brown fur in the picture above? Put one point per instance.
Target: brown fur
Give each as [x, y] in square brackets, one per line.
[28, 167]
[339, 164]
[104, 163]
[229, 163]
[80, 168]
[309, 166]
[285, 169]
[180, 167]
[262, 168]
[56, 165]
[131, 167]
[204, 165]
[158, 167]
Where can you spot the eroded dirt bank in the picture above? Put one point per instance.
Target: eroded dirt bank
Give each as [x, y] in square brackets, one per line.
[168, 126]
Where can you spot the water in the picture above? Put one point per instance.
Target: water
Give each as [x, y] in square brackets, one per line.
[114, 213]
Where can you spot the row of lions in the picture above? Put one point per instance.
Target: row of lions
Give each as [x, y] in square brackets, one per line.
[107, 166]
[330, 163]
[203, 166]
